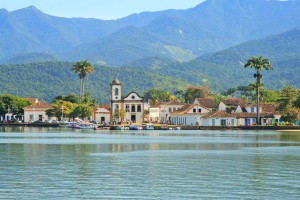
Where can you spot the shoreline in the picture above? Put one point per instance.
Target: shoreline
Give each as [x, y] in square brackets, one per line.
[278, 128]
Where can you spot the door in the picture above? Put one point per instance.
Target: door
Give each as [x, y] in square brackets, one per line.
[133, 118]
[213, 122]
[102, 119]
[232, 122]
[223, 122]
[248, 122]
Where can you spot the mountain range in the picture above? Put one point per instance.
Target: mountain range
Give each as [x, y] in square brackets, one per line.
[180, 35]
[204, 45]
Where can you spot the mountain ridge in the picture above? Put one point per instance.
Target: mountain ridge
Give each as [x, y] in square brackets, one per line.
[208, 27]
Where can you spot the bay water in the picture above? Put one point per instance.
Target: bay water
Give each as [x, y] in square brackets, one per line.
[62, 163]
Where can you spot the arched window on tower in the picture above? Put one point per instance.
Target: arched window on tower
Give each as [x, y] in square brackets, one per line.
[116, 92]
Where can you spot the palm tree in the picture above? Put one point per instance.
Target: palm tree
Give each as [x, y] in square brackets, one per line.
[83, 68]
[258, 63]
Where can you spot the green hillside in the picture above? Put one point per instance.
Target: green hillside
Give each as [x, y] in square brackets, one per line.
[47, 80]
[224, 69]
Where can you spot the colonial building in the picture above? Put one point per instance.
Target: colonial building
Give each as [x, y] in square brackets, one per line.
[129, 108]
[192, 114]
[237, 112]
[102, 114]
[36, 111]
[165, 108]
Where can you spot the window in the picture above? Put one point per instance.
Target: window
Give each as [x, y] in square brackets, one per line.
[194, 110]
[170, 109]
[132, 97]
[133, 108]
[252, 109]
[31, 117]
[199, 110]
[139, 108]
[127, 108]
[116, 91]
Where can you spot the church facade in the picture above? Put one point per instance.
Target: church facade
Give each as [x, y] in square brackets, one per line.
[129, 108]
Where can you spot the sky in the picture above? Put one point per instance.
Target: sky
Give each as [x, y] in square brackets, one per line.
[100, 9]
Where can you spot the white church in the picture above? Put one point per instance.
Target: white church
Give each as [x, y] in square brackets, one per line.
[129, 108]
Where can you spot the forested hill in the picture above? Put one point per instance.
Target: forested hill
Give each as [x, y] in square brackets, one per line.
[47, 80]
[179, 35]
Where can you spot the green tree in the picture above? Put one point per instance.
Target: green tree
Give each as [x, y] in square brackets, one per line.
[83, 68]
[288, 103]
[297, 101]
[258, 63]
[88, 99]
[191, 93]
[73, 98]
[157, 95]
[61, 109]
[12, 104]
[82, 111]
[229, 92]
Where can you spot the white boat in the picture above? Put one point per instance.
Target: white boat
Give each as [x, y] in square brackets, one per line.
[135, 127]
[149, 127]
[85, 126]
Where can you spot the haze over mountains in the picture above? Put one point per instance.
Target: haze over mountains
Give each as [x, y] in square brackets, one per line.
[202, 45]
[180, 35]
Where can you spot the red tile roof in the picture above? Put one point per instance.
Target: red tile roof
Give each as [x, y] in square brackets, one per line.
[32, 100]
[218, 114]
[207, 102]
[184, 109]
[39, 105]
[173, 102]
[235, 102]
[253, 115]
[105, 106]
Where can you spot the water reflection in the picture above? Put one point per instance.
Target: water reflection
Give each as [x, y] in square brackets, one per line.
[74, 164]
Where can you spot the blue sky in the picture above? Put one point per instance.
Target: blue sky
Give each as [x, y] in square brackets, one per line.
[101, 9]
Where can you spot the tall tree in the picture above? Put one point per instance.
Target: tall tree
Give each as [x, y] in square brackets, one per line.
[258, 63]
[83, 68]
[191, 93]
[288, 103]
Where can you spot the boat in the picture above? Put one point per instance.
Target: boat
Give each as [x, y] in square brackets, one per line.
[177, 128]
[101, 128]
[64, 124]
[149, 127]
[85, 126]
[120, 127]
[135, 127]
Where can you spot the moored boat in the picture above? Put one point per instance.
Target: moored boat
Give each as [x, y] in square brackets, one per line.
[135, 127]
[149, 127]
[85, 126]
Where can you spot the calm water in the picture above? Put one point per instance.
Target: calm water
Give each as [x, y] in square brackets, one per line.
[53, 163]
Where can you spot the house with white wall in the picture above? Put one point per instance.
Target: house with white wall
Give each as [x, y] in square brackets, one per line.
[102, 114]
[153, 115]
[37, 112]
[192, 114]
[165, 108]
[232, 105]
